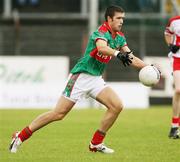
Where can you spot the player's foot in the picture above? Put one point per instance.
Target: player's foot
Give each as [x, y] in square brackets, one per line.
[100, 148]
[15, 143]
[174, 133]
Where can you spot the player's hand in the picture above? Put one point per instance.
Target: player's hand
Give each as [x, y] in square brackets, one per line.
[173, 48]
[125, 58]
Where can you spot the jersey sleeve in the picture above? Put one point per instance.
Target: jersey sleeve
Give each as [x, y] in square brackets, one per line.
[98, 35]
[169, 28]
[124, 43]
[122, 40]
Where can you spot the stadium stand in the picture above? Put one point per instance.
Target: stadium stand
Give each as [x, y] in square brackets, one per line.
[68, 36]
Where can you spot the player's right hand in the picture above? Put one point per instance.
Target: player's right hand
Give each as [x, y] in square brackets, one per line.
[125, 58]
[173, 48]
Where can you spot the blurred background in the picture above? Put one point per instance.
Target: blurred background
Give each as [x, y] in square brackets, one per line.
[32, 32]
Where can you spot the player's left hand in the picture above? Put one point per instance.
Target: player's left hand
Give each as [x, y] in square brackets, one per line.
[173, 48]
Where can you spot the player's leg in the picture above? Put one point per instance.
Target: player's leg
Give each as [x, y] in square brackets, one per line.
[174, 132]
[176, 97]
[114, 106]
[63, 106]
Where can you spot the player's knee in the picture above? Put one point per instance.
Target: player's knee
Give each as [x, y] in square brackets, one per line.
[58, 116]
[117, 107]
[177, 91]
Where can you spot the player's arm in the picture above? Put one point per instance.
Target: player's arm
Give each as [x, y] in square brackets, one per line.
[103, 48]
[136, 62]
[169, 40]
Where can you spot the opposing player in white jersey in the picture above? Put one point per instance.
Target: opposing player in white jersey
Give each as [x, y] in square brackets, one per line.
[172, 38]
[86, 80]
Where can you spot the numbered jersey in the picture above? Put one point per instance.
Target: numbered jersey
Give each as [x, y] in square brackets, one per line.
[173, 28]
[93, 62]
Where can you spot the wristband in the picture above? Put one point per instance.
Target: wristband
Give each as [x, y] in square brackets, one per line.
[116, 53]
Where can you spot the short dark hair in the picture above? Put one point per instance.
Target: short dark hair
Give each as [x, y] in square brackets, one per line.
[111, 10]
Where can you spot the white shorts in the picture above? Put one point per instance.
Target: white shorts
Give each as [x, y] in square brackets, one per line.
[83, 85]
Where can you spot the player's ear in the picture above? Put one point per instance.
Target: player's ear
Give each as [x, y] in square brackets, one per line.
[109, 19]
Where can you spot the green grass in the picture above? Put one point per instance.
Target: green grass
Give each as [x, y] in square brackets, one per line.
[137, 136]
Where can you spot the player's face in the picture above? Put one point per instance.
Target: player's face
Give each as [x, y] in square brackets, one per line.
[117, 21]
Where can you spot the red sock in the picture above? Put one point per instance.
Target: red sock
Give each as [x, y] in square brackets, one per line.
[175, 122]
[98, 137]
[25, 134]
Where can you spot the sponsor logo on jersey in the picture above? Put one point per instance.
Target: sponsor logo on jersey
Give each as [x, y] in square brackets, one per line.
[99, 56]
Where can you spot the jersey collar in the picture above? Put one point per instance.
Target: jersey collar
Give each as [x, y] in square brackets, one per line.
[109, 29]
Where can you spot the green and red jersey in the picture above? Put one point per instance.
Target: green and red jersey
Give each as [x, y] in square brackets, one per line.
[93, 62]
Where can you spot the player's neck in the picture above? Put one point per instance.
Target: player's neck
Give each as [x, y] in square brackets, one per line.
[113, 33]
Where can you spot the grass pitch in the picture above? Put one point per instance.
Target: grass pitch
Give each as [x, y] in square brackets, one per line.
[137, 136]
